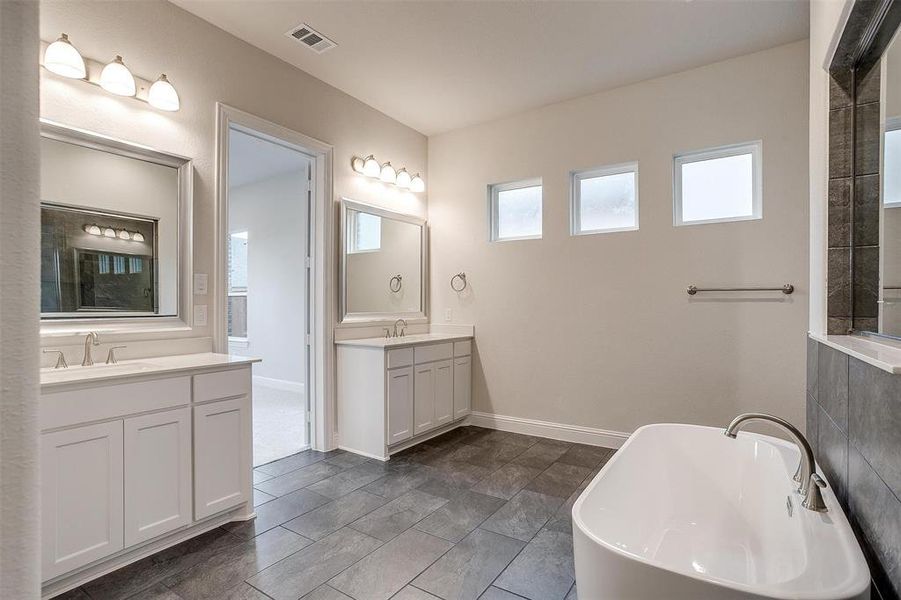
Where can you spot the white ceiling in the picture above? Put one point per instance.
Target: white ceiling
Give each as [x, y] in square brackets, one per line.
[251, 159]
[439, 65]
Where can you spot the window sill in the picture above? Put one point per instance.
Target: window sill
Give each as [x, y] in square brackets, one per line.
[882, 355]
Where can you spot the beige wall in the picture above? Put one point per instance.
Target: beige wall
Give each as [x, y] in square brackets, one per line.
[598, 330]
[208, 65]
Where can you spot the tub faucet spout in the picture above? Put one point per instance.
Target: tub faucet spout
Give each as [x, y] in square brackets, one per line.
[809, 483]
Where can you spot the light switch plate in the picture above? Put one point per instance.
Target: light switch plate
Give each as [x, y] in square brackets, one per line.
[200, 315]
[201, 284]
[449, 315]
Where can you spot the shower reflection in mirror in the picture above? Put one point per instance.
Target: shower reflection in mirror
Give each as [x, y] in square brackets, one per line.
[93, 261]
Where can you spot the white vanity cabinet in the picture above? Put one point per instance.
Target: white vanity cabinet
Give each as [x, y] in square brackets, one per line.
[82, 504]
[394, 392]
[157, 474]
[148, 460]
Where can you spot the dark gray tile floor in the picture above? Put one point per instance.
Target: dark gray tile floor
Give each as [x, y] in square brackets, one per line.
[474, 513]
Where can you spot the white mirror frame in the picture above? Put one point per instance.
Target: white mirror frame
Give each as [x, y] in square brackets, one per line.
[185, 256]
[357, 319]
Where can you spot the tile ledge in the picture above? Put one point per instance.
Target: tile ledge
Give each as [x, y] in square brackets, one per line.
[881, 355]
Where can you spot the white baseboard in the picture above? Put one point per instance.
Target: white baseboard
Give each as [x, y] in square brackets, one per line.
[279, 384]
[554, 431]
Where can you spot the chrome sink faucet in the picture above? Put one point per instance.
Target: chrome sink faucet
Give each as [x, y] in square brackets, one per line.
[809, 482]
[403, 327]
[91, 339]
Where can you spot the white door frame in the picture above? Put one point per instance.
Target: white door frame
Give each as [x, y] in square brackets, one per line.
[321, 359]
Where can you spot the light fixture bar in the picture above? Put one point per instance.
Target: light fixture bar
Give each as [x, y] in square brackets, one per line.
[95, 67]
[386, 173]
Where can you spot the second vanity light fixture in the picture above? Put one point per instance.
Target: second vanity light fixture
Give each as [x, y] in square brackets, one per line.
[106, 231]
[62, 58]
[370, 167]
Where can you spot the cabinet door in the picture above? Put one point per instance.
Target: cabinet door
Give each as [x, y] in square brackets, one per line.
[444, 392]
[424, 398]
[462, 386]
[157, 474]
[82, 496]
[221, 433]
[400, 405]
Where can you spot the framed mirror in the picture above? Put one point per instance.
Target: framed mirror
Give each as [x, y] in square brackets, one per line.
[384, 264]
[115, 231]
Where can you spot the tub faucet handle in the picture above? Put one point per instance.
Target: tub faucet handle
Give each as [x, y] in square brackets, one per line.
[814, 498]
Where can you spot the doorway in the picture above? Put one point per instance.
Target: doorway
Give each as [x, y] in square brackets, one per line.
[267, 283]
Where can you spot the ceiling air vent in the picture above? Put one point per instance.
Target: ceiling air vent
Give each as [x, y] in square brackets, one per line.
[311, 38]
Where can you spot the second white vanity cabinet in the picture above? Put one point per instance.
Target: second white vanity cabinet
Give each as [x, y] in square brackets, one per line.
[394, 391]
[151, 457]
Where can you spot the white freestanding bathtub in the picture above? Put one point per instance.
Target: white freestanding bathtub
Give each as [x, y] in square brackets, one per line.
[684, 512]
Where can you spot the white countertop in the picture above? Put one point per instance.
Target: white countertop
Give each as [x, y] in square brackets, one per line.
[125, 369]
[407, 340]
[882, 355]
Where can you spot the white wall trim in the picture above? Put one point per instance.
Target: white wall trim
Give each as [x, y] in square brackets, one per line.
[321, 358]
[547, 429]
[279, 384]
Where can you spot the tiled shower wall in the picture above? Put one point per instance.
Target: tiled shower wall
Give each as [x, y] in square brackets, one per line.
[854, 426]
[854, 132]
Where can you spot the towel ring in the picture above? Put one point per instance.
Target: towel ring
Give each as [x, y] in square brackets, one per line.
[462, 278]
[395, 283]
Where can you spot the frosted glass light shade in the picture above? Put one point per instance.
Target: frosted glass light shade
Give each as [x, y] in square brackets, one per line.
[137, 236]
[162, 95]
[357, 164]
[109, 232]
[62, 58]
[417, 184]
[117, 79]
[371, 167]
[388, 174]
[92, 229]
[124, 235]
[403, 179]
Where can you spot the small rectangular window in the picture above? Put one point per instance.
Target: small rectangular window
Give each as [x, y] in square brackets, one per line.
[718, 185]
[237, 262]
[364, 232]
[515, 210]
[605, 199]
[892, 159]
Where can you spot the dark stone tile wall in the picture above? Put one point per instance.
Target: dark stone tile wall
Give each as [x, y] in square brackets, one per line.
[854, 133]
[854, 426]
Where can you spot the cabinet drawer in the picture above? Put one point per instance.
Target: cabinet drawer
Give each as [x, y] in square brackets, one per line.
[112, 400]
[434, 352]
[402, 357]
[224, 384]
[463, 348]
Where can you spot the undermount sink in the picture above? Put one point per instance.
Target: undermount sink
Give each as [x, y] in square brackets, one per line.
[76, 372]
[684, 512]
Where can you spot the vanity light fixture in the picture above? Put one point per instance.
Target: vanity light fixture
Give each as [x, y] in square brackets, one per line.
[92, 229]
[137, 236]
[123, 235]
[109, 232]
[162, 95]
[62, 58]
[371, 167]
[117, 79]
[388, 174]
[403, 179]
